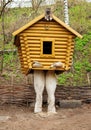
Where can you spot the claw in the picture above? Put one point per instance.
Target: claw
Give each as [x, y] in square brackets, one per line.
[36, 64]
[58, 64]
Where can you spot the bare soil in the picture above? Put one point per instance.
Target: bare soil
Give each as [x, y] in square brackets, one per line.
[14, 117]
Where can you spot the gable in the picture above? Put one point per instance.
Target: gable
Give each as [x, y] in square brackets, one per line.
[45, 29]
[39, 18]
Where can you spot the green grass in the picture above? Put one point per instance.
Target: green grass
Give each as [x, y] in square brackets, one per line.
[77, 76]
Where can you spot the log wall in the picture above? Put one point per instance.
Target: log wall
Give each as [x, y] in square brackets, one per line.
[31, 42]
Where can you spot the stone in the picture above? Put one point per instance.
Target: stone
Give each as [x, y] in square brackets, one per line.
[70, 103]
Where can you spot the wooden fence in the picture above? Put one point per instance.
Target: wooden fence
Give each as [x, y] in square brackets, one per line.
[25, 94]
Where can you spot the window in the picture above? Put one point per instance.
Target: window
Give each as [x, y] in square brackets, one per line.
[47, 47]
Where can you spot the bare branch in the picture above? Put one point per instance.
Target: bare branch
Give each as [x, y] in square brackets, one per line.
[3, 7]
[35, 6]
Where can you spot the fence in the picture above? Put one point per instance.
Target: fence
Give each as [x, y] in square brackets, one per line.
[26, 94]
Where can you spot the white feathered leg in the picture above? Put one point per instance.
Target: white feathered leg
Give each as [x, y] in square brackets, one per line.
[39, 81]
[51, 87]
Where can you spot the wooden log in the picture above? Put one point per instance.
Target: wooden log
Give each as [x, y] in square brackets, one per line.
[45, 35]
[47, 60]
[47, 32]
[53, 28]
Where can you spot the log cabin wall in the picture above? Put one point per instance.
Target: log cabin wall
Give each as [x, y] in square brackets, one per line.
[31, 40]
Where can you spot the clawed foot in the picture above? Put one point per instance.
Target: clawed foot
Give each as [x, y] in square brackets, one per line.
[41, 114]
[51, 113]
[44, 114]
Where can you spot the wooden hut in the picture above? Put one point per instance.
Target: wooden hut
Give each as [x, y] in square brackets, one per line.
[45, 41]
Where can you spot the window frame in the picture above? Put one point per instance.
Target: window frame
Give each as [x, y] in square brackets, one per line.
[47, 40]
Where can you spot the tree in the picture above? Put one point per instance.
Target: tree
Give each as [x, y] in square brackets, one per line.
[66, 16]
[3, 6]
[2, 15]
[35, 6]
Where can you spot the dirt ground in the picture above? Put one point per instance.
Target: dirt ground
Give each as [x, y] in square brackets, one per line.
[14, 117]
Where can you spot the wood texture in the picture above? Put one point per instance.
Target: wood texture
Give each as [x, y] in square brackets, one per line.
[32, 36]
[32, 40]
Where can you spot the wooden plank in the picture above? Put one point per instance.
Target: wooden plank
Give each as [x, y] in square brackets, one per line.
[46, 60]
[60, 57]
[46, 32]
[60, 42]
[38, 56]
[62, 39]
[34, 45]
[47, 25]
[46, 63]
[45, 35]
[43, 23]
[47, 68]
[51, 29]
[63, 43]
[56, 55]
[60, 54]
[33, 41]
[37, 43]
[34, 52]
[60, 50]
[60, 46]
[35, 49]
[64, 47]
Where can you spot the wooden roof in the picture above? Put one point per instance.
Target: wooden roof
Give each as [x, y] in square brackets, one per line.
[42, 16]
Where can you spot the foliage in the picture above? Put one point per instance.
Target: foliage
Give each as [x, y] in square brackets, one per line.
[81, 65]
[81, 43]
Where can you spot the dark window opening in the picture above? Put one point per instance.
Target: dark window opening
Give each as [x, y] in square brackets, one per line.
[47, 47]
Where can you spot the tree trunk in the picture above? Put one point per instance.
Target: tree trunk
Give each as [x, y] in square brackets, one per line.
[3, 32]
[66, 15]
